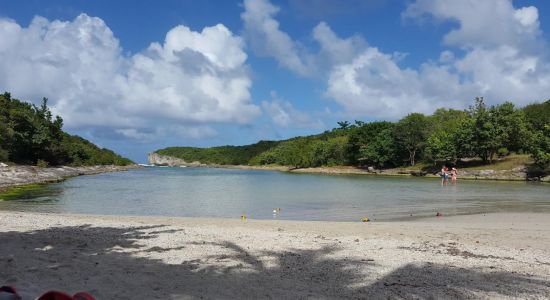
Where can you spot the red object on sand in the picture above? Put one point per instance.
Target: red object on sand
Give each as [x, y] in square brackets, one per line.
[55, 295]
[83, 296]
[439, 214]
[9, 293]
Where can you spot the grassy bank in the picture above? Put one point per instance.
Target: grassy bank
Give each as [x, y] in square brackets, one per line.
[15, 192]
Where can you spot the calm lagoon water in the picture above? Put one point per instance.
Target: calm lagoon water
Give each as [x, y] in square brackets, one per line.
[209, 192]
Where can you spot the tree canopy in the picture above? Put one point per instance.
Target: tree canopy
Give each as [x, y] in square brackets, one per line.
[30, 134]
[447, 135]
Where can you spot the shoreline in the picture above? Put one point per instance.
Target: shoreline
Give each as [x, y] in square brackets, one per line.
[495, 220]
[22, 175]
[485, 175]
[501, 255]
[514, 174]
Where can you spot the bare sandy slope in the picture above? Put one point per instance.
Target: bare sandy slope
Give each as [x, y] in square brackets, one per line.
[494, 256]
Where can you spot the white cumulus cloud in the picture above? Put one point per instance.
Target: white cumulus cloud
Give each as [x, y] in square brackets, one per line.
[191, 78]
[284, 114]
[493, 50]
[267, 39]
[488, 23]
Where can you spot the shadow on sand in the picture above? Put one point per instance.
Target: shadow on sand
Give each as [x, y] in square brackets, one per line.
[85, 258]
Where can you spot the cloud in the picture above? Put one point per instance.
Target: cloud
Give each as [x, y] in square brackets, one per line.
[192, 132]
[333, 49]
[490, 23]
[265, 37]
[146, 135]
[505, 55]
[191, 78]
[495, 51]
[133, 133]
[284, 114]
[262, 31]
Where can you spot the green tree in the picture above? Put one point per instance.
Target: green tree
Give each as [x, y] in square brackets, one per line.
[296, 153]
[464, 143]
[494, 128]
[540, 147]
[485, 136]
[380, 151]
[446, 119]
[441, 146]
[30, 134]
[5, 136]
[343, 124]
[330, 152]
[537, 115]
[444, 142]
[511, 125]
[411, 134]
[361, 137]
[446, 135]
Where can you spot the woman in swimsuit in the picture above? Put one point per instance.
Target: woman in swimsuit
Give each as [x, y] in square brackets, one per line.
[454, 174]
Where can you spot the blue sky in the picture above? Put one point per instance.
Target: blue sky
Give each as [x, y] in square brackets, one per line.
[136, 76]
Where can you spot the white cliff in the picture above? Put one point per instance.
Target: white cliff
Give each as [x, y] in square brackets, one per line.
[163, 160]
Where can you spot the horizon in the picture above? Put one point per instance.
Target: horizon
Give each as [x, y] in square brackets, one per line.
[233, 73]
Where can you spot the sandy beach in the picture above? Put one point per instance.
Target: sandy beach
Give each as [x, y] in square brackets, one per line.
[495, 256]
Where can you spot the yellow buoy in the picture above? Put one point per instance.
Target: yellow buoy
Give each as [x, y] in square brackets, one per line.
[365, 219]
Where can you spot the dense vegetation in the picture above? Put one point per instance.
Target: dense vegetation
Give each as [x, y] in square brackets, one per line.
[225, 155]
[446, 136]
[31, 135]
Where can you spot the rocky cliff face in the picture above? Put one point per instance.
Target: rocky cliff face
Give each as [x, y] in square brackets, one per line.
[163, 160]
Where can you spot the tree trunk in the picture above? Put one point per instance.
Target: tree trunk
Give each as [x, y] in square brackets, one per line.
[485, 157]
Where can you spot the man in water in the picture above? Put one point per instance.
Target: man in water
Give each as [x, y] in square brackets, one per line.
[444, 175]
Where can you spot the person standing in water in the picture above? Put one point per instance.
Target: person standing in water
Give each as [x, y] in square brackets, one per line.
[444, 175]
[454, 174]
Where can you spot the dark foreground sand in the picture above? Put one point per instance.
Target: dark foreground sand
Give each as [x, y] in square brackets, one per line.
[496, 256]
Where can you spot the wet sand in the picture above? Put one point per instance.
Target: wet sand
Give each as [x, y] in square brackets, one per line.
[498, 256]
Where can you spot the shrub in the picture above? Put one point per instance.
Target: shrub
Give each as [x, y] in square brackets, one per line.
[41, 163]
[502, 152]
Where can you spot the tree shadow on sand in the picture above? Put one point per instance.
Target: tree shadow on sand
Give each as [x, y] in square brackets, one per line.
[86, 258]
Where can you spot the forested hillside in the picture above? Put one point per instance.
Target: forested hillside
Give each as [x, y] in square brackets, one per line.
[31, 135]
[446, 136]
[224, 155]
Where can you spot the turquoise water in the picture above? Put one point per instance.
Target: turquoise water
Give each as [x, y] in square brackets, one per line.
[209, 192]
